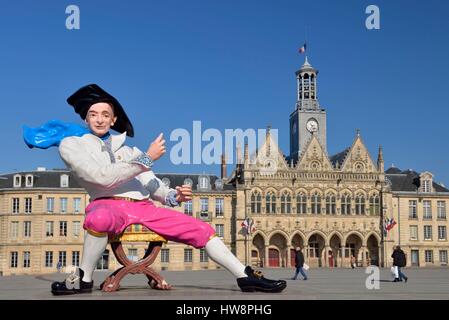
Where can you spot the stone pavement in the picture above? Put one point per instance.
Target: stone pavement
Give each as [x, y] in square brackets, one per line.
[329, 284]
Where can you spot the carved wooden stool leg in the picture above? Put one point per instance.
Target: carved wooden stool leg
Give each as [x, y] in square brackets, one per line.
[112, 283]
[156, 281]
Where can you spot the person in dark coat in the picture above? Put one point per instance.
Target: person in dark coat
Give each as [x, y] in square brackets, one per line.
[399, 261]
[299, 264]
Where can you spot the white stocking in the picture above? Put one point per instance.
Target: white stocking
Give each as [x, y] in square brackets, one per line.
[220, 254]
[92, 251]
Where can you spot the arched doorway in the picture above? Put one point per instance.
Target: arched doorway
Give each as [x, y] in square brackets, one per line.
[273, 257]
[353, 245]
[278, 243]
[335, 253]
[297, 241]
[316, 245]
[373, 251]
[258, 257]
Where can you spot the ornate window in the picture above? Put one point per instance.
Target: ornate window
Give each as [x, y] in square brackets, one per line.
[286, 202]
[316, 203]
[346, 204]
[256, 201]
[331, 204]
[374, 205]
[270, 200]
[301, 203]
[360, 204]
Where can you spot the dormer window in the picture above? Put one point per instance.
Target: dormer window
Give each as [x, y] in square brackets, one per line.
[64, 181]
[166, 181]
[219, 184]
[28, 180]
[17, 181]
[203, 182]
[426, 186]
[188, 181]
[426, 179]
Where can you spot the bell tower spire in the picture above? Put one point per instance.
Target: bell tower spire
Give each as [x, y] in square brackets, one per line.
[309, 118]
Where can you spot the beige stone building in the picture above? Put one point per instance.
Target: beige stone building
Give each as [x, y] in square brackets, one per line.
[42, 214]
[333, 206]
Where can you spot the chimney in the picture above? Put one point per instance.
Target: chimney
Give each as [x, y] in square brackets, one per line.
[223, 166]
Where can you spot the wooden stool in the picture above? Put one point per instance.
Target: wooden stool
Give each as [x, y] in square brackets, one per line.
[136, 233]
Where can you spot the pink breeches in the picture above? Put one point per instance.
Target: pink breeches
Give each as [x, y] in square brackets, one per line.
[113, 216]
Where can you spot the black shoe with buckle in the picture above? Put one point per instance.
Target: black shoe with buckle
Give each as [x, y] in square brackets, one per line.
[72, 285]
[255, 281]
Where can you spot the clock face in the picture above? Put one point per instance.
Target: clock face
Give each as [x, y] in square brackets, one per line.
[312, 125]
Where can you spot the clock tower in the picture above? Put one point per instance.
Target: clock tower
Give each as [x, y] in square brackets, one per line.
[308, 118]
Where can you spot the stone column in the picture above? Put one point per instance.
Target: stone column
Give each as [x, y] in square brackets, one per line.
[266, 263]
[288, 257]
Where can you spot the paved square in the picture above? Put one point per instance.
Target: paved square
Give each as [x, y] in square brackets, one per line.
[220, 285]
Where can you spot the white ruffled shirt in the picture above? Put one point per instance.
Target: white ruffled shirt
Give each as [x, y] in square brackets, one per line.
[110, 168]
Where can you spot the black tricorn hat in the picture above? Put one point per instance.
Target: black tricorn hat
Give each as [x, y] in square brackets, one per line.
[88, 95]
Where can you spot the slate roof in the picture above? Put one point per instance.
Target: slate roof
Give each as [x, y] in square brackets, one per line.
[408, 181]
[339, 157]
[51, 179]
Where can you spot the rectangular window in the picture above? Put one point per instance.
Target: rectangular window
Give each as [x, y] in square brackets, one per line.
[50, 205]
[427, 232]
[203, 256]
[27, 229]
[441, 209]
[188, 208]
[14, 232]
[17, 181]
[413, 232]
[219, 230]
[77, 205]
[165, 255]
[28, 205]
[64, 182]
[426, 186]
[26, 259]
[63, 205]
[442, 234]
[76, 258]
[204, 204]
[443, 257]
[427, 209]
[63, 228]
[188, 255]
[219, 210]
[14, 259]
[48, 259]
[49, 228]
[429, 256]
[15, 205]
[76, 228]
[412, 209]
[132, 254]
[62, 258]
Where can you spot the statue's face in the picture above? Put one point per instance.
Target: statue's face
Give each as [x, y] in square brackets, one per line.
[100, 118]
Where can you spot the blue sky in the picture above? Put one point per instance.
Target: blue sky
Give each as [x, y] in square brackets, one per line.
[231, 65]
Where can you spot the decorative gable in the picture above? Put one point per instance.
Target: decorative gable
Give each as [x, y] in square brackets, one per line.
[314, 158]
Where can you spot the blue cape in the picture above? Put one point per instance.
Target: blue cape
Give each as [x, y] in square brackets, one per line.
[51, 134]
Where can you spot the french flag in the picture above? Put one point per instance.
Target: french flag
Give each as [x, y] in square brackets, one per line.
[391, 223]
[303, 48]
